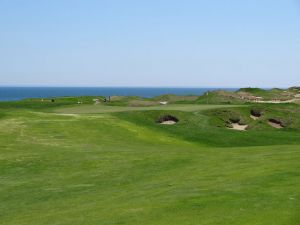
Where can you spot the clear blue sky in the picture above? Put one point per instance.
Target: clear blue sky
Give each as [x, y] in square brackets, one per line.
[197, 43]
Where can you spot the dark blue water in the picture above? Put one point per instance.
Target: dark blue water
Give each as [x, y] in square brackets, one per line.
[18, 93]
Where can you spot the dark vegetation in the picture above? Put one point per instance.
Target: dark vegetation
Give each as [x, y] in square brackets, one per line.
[256, 112]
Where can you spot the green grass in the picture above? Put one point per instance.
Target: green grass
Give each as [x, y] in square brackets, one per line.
[83, 109]
[200, 128]
[112, 166]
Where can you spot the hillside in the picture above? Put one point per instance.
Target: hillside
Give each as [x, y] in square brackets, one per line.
[180, 164]
[252, 95]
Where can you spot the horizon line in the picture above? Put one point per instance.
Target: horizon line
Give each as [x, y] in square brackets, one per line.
[87, 86]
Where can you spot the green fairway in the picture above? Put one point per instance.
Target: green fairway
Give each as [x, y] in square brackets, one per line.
[109, 165]
[106, 109]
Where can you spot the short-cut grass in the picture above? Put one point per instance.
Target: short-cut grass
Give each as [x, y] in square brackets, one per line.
[82, 109]
[62, 164]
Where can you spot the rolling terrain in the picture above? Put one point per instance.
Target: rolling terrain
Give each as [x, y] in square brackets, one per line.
[113, 163]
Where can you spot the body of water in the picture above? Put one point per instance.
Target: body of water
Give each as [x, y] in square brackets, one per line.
[18, 93]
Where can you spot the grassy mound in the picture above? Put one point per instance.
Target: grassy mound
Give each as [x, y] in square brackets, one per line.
[209, 127]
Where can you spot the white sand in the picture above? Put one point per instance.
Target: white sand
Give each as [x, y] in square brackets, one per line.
[168, 122]
[276, 101]
[236, 126]
[275, 125]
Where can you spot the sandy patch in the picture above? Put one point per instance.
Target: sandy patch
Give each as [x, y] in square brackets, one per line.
[168, 122]
[237, 126]
[275, 124]
[277, 101]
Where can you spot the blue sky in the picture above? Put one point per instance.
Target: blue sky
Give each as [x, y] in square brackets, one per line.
[150, 43]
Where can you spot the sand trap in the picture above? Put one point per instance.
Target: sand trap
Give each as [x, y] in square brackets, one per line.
[275, 123]
[237, 126]
[167, 120]
[255, 114]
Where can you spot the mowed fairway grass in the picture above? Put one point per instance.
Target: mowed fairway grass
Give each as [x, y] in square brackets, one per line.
[109, 167]
[83, 109]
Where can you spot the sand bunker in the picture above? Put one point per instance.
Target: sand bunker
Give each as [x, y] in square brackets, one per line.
[237, 126]
[275, 123]
[167, 120]
[254, 114]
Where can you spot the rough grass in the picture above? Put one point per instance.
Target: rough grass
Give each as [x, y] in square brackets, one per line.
[206, 128]
[288, 114]
[240, 96]
[122, 168]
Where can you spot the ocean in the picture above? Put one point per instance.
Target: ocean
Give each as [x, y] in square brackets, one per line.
[18, 93]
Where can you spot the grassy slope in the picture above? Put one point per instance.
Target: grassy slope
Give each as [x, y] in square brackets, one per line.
[237, 97]
[123, 169]
[209, 127]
